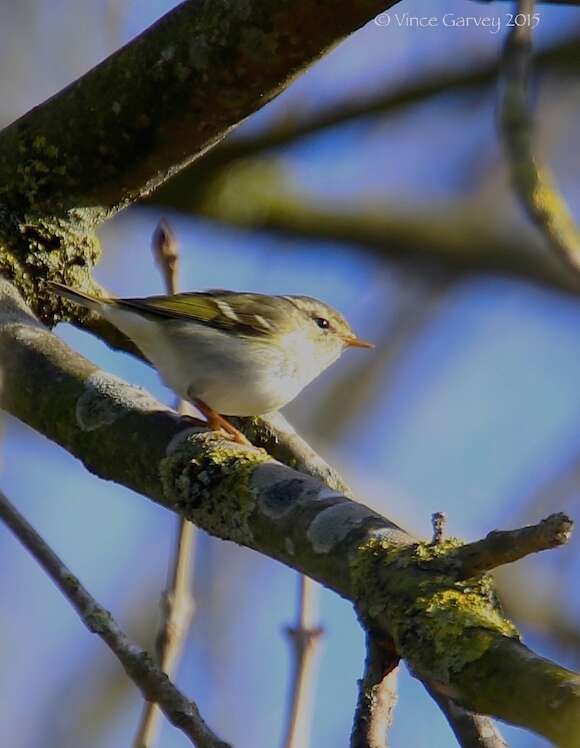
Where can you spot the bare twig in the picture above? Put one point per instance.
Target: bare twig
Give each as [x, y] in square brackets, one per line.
[165, 251]
[304, 637]
[505, 546]
[138, 664]
[177, 601]
[532, 180]
[438, 520]
[377, 696]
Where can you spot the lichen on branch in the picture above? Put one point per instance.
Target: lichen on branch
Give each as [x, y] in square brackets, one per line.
[438, 622]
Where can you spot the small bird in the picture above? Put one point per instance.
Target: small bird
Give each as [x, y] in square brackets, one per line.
[230, 353]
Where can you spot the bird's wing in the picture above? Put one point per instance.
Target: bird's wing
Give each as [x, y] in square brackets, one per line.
[249, 314]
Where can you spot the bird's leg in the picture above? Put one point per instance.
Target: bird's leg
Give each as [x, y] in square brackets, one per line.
[217, 422]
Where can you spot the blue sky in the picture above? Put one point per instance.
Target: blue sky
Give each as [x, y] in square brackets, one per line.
[482, 408]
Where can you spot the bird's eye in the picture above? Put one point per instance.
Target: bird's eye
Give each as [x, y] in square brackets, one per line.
[324, 324]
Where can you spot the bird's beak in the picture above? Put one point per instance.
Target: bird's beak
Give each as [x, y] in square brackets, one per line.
[355, 342]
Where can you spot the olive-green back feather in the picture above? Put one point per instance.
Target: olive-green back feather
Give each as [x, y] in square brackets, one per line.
[252, 314]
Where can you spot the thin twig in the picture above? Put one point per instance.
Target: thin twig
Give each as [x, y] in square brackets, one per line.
[377, 696]
[165, 251]
[177, 601]
[506, 546]
[304, 637]
[138, 664]
[532, 180]
[438, 520]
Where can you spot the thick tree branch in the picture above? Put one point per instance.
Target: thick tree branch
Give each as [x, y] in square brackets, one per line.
[140, 116]
[451, 632]
[280, 439]
[139, 666]
[201, 69]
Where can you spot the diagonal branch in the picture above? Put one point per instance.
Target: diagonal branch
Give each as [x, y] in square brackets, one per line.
[451, 632]
[201, 70]
[151, 108]
[471, 730]
[151, 681]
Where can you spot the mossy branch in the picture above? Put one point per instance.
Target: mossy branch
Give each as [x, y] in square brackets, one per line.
[451, 631]
[136, 119]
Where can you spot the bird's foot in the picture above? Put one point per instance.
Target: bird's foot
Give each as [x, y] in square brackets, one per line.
[216, 422]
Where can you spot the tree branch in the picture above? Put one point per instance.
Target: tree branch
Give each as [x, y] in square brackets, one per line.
[151, 681]
[451, 632]
[471, 730]
[531, 180]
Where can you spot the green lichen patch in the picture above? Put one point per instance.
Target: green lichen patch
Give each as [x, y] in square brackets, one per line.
[38, 248]
[208, 479]
[98, 620]
[438, 623]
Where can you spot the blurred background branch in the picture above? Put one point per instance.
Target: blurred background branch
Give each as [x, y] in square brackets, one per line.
[304, 638]
[257, 196]
[532, 180]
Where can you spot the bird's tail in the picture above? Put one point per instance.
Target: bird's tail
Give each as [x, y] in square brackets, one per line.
[79, 297]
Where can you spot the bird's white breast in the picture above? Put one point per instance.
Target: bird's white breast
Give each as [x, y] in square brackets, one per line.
[233, 375]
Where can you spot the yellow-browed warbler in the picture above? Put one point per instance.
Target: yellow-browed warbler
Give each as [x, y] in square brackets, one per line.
[238, 354]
